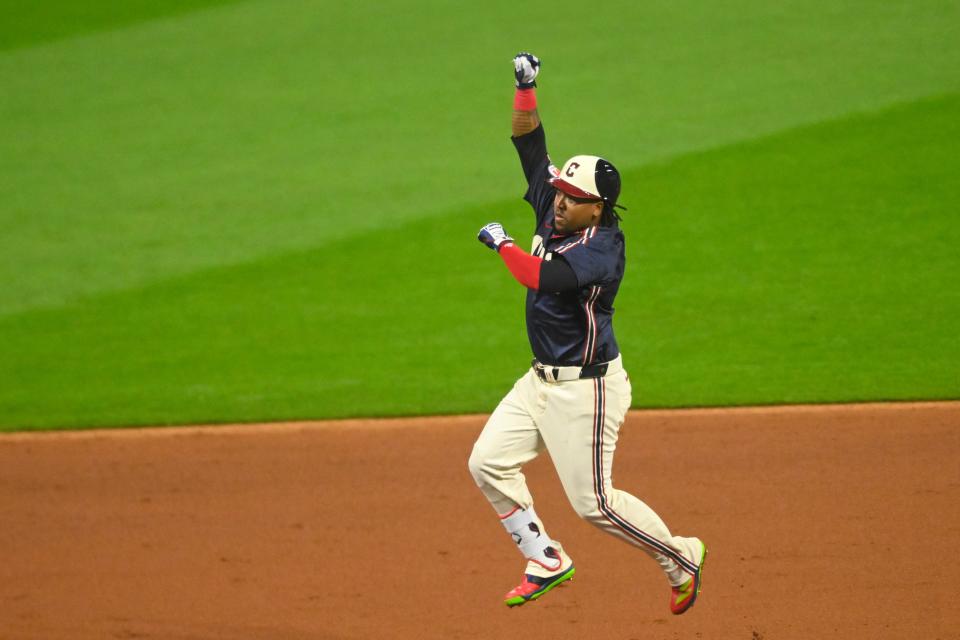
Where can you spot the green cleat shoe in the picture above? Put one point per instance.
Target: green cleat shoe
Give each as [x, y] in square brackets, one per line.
[683, 597]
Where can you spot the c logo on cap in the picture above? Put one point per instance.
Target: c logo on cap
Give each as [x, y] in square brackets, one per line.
[573, 165]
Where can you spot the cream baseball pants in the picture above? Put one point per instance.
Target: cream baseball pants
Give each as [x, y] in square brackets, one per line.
[578, 422]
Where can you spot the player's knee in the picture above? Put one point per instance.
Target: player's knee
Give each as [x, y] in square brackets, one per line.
[477, 466]
[586, 507]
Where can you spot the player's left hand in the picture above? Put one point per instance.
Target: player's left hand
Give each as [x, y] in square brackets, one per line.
[526, 67]
[493, 236]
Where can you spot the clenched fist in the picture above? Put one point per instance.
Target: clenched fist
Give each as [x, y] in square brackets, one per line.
[526, 67]
[493, 236]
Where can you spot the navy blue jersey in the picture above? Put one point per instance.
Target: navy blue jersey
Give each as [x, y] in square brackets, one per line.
[573, 328]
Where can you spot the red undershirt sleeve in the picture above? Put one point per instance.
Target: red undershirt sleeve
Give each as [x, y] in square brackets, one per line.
[524, 267]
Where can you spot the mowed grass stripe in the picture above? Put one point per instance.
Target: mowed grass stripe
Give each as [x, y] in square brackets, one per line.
[813, 266]
[817, 266]
[334, 332]
[221, 136]
[26, 24]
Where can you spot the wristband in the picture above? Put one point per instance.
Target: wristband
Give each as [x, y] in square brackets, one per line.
[525, 100]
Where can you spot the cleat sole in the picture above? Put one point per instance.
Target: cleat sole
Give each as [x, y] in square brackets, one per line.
[516, 601]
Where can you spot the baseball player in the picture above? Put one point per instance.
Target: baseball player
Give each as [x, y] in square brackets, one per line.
[576, 394]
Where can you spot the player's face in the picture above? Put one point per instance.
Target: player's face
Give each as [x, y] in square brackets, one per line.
[573, 214]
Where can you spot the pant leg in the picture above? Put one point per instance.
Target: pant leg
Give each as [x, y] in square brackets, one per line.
[580, 427]
[509, 440]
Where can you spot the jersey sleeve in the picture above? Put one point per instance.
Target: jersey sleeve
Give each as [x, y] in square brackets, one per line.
[532, 149]
[595, 255]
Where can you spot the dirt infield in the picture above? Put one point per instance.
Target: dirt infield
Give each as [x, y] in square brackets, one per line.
[822, 522]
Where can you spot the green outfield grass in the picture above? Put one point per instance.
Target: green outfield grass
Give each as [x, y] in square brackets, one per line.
[266, 210]
[28, 23]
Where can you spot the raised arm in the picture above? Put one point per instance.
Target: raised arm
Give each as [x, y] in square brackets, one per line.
[525, 117]
[529, 138]
[532, 271]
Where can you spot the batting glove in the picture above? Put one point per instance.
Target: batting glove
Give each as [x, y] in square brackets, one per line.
[493, 236]
[526, 67]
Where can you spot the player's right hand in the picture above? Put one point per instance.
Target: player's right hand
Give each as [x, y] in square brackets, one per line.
[493, 236]
[526, 66]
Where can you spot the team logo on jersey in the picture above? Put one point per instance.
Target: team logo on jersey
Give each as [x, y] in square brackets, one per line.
[538, 249]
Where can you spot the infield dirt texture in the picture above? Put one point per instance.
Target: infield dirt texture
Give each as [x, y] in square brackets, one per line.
[823, 522]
